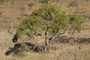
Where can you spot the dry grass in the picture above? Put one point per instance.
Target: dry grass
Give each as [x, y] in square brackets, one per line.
[13, 12]
[64, 52]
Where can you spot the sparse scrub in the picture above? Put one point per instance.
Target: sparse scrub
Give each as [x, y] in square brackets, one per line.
[62, 47]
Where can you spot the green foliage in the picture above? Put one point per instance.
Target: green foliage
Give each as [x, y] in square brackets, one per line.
[47, 1]
[55, 1]
[29, 25]
[76, 23]
[44, 1]
[51, 19]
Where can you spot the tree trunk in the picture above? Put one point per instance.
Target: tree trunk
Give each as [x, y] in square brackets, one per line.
[46, 40]
[46, 46]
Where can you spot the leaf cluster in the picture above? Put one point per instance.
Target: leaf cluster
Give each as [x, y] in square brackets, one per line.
[49, 18]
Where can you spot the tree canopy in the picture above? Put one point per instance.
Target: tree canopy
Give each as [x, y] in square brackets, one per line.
[50, 20]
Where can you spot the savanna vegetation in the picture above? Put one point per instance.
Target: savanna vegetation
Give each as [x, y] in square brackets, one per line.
[49, 22]
[47, 30]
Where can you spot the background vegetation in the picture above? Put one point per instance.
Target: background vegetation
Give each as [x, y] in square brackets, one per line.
[16, 13]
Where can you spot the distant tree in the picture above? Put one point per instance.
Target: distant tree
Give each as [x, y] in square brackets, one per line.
[48, 21]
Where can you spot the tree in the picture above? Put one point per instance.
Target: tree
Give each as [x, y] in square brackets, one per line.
[50, 21]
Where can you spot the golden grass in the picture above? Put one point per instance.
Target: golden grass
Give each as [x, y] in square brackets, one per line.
[64, 52]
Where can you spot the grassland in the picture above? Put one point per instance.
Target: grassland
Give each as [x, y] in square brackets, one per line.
[12, 14]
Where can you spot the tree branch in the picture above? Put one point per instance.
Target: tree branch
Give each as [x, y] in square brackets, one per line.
[55, 35]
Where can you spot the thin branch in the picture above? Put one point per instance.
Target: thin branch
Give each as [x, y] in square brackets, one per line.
[37, 44]
[57, 34]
